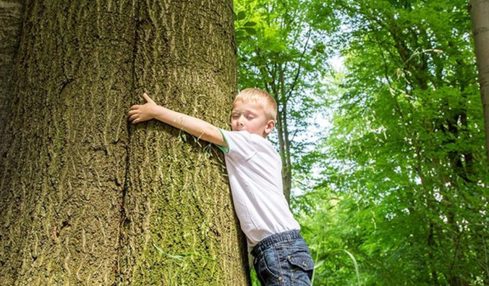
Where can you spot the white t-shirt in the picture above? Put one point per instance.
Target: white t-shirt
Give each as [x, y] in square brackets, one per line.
[255, 175]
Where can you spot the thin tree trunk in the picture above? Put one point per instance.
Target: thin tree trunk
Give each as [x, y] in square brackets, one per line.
[479, 11]
[275, 86]
[87, 199]
[283, 140]
[284, 134]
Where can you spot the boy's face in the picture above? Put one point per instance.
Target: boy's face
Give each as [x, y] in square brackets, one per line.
[251, 116]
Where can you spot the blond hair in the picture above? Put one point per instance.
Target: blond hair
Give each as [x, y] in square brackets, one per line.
[261, 97]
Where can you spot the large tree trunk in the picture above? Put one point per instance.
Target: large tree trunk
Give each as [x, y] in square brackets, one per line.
[479, 11]
[87, 199]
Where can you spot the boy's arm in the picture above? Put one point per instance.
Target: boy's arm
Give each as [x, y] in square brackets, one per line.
[194, 126]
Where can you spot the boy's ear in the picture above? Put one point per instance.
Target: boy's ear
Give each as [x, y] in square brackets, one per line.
[269, 127]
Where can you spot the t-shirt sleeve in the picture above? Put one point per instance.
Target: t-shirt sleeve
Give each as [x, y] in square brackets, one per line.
[239, 144]
[224, 149]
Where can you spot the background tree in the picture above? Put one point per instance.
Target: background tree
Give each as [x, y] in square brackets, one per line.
[87, 199]
[479, 11]
[280, 52]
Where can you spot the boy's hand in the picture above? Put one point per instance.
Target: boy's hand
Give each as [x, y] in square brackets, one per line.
[145, 112]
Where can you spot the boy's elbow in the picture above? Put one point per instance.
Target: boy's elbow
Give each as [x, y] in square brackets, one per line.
[214, 136]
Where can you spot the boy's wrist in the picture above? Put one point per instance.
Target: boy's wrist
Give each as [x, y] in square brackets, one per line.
[158, 111]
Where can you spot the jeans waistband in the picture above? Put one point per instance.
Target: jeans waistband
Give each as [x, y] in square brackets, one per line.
[275, 238]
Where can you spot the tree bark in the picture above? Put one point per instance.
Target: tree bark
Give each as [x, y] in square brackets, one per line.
[85, 197]
[479, 11]
[10, 27]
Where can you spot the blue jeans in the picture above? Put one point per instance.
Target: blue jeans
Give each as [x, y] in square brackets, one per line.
[283, 259]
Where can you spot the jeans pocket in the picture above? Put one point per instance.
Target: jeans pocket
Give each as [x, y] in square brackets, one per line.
[267, 267]
[302, 260]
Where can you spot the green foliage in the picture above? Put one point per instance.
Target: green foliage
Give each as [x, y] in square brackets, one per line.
[404, 172]
[401, 182]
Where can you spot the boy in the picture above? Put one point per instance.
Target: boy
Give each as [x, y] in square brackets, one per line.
[281, 256]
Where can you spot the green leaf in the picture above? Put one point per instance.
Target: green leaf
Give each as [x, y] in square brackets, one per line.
[250, 31]
[250, 23]
[241, 15]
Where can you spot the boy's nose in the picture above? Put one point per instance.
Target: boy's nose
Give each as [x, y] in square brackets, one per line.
[240, 121]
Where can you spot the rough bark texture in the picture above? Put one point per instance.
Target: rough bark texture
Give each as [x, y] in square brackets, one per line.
[479, 11]
[10, 26]
[85, 198]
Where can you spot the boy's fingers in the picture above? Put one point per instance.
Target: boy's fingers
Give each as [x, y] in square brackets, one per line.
[134, 107]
